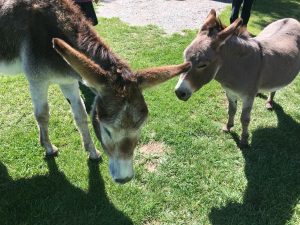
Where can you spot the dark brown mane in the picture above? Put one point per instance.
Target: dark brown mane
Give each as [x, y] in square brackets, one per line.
[220, 25]
[91, 44]
[214, 27]
[73, 23]
[75, 29]
[241, 32]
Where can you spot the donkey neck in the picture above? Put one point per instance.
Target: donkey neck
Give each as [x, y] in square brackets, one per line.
[240, 59]
[79, 32]
[63, 19]
[237, 47]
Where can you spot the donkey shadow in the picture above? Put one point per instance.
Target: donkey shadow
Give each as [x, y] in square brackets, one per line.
[52, 199]
[88, 97]
[272, 168]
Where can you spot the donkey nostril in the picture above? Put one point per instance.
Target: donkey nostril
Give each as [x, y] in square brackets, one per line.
[181, 94]
[123, 181]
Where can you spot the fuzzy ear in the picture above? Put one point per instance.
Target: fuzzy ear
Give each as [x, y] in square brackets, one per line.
[210, 21]
[92, 73]
[225, 34]
[153, 76]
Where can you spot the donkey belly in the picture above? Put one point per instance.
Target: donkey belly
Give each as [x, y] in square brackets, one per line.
[11, 67]
[275, 81]
[281, 63]
[281, 54]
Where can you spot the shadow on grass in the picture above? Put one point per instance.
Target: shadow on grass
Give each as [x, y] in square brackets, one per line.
[276, 9]
[273, 173]
[52, 199]
[87, 96]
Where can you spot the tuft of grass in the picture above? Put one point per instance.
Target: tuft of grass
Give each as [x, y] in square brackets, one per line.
[203, 177]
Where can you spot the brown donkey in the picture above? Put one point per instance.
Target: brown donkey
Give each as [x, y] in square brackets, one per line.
[28, 31]
[243, 65]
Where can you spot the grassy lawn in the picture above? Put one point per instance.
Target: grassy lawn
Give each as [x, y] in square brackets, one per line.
[190, 173]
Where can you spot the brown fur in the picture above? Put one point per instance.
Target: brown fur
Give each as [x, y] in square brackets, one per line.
[27, 30]
[153, 76]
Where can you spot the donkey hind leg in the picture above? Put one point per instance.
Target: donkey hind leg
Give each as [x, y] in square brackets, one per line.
[71, 92]
[245, 119]
[39, 94]
[232, 107]
[270, 101]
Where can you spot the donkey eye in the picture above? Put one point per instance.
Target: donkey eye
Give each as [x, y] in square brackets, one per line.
[201, 66]
[107, 132]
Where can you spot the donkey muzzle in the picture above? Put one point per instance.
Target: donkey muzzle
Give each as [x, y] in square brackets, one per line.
[121, 170]
[183, 94]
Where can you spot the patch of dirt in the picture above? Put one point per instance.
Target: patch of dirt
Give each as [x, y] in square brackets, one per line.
[153, 148]
[151, 166]
[152, 154]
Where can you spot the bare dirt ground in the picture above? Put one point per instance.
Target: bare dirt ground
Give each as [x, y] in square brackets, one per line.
[170, 15]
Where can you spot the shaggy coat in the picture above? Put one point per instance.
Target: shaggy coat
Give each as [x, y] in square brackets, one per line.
[29, 31]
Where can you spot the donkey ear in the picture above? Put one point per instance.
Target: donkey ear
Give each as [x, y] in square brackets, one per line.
[153, 76]
[225, 34]
[92, 73]
[210, 21]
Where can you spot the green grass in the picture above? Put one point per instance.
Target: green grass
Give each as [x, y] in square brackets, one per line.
[204, 178]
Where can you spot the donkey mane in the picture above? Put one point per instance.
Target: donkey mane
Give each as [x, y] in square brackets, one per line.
[69, 19]
[240, 32]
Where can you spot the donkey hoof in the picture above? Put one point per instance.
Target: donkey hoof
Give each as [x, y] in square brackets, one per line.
[96, 160]
[96, 157]
[53, 154]
[269, 106]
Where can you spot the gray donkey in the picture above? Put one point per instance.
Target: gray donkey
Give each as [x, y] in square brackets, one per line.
[28, 30]
[243, 65]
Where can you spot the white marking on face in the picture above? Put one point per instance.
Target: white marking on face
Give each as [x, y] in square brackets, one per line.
[11, 68]
[216, 71]
[184, 84]
[116, 136]
[121, 168]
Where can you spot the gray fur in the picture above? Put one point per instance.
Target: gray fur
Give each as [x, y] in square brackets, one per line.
[243, 65]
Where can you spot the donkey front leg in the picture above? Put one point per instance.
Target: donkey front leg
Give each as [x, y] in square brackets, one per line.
[232, 107]
[71, 92]
[270, 101]
[39, 93]
[245, 119]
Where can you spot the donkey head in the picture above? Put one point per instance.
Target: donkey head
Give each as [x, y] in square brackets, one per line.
[119, 108]
[204, 55]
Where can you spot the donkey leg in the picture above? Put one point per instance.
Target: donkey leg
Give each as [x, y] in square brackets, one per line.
[245, 119]
[71, 92]
[232, 107]
[269, 103]
[39, 93]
